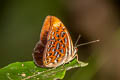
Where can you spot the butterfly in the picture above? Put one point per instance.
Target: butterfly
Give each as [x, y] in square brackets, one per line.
[55, 46]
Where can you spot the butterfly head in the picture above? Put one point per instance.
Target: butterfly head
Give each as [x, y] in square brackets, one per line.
[75, 50]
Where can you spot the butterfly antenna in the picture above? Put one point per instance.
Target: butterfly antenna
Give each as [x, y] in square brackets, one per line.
[77, 40]
[87, 43]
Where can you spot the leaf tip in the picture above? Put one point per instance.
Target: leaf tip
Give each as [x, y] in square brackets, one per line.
[82, 64]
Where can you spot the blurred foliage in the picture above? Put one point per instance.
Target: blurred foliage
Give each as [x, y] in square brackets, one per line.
[21, 22]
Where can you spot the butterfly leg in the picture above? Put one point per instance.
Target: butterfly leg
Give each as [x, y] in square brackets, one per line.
[63, 65]
[77, 58]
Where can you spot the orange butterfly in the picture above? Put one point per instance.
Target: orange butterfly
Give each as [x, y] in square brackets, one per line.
[55, 46]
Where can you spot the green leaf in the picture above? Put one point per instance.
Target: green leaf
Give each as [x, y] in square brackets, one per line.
[29, 71]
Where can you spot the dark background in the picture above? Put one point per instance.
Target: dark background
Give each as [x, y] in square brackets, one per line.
[21, 22]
